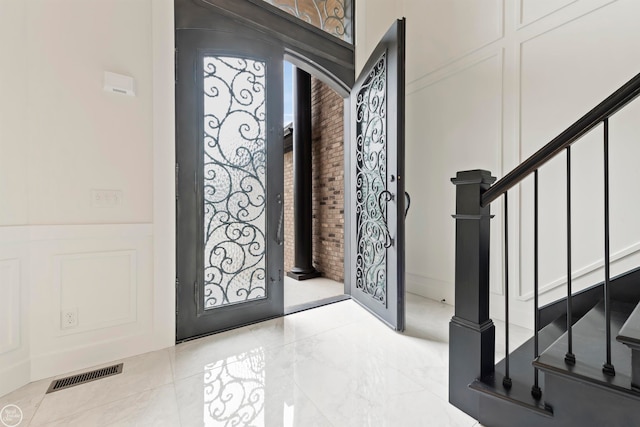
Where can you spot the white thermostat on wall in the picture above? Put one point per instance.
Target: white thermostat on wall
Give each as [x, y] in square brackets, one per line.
[118, 83]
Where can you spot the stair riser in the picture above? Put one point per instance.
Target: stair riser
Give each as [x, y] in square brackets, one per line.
[635, 369]
[499, 413]
[579, 404]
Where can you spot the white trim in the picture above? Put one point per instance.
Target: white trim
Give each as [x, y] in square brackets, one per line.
[14, 290]
[82, 357]
[588, 269]
[428, 287]
[15, 376]
[164, 220]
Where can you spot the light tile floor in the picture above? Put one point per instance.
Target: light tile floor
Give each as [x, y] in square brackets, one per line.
[332, 366]
[300, 292]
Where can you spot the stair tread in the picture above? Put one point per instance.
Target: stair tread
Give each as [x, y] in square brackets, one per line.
[588, 347]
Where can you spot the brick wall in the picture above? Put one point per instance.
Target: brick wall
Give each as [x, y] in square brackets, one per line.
[328, 185]
[289, 243]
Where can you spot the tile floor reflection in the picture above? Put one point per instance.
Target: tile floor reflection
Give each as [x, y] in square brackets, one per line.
[301, 292]
[332, 366]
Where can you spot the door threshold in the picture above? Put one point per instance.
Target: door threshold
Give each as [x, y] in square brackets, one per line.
[315, 304]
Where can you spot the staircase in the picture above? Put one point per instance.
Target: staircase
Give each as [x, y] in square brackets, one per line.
[574, 395]
[582, 366]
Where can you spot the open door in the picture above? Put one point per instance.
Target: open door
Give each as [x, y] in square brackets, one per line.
[229, 177]
[376, 181]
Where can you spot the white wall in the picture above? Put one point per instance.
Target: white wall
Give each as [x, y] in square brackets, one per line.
[489, 83]
[62, 136]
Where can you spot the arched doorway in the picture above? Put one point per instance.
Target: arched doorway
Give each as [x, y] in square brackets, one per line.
[229, 174]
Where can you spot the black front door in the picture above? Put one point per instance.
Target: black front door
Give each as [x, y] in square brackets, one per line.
[229, 172]
[376, 182]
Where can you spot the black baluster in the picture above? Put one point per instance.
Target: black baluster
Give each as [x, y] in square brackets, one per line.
[607, 368]
[506, 381]
[536, 392]
[569, 358]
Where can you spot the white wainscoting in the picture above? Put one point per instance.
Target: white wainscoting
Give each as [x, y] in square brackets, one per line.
[10, 300]
[531, 11]
[14, 332]
[102, 272]
[100, 287]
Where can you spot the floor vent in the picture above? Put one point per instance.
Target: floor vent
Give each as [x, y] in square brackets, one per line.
[85, 377]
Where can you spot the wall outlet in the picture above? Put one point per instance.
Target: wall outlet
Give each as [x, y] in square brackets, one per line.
[106, 198]
[69, 318]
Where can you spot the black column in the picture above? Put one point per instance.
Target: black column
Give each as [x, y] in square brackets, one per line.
[302, 190]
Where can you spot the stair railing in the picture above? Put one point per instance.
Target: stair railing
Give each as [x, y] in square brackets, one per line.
[471, 331]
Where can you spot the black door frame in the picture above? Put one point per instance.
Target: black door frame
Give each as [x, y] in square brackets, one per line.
[392, 309]
[193, 319]
[305, 46]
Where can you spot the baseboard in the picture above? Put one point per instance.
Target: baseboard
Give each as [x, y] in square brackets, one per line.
[62, 362]
[427, 287]
[15, 376]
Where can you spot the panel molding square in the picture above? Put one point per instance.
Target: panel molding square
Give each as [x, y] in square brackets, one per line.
[100, 287]
[10, 301]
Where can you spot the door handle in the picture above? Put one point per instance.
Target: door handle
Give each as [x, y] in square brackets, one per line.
[406, 210]
[280, 230]
[387, 196]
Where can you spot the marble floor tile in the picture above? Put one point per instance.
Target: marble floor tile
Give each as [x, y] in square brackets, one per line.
[243, 393]
[191, 357]
[156, 407]
[140, 373]
[419, 409]
[27, 398]
[300, 292]
[332, 366]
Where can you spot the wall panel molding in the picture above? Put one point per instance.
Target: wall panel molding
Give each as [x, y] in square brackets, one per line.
[461, 66]
[463, 56]
[558, 5]
[68, 292]
[10, 305]
[596, 267]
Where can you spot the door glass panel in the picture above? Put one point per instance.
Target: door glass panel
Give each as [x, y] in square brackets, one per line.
[372, 236]
[234, 180]
[332, 16]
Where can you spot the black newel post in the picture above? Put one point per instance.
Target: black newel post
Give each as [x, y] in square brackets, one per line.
[302, 190]
[471, 332]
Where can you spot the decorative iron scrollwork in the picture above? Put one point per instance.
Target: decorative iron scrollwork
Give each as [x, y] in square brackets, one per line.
[372, 235]
[234, 180]
[332, 16]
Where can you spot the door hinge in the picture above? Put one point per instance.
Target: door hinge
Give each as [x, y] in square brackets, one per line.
[177, 293]
[195, 71]
[177, 180]
[195, 293]
[175, 61]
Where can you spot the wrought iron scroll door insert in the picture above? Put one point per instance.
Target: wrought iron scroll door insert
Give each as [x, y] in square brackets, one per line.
[230, 182]
[377, 207]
